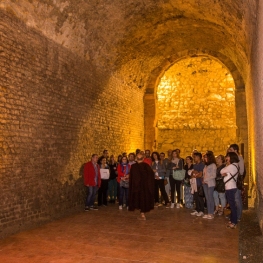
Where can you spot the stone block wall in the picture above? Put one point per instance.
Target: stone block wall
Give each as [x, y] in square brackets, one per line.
[196, 106]
[56, 109]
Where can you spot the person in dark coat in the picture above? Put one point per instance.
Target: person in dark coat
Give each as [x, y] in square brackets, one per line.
[141, 187]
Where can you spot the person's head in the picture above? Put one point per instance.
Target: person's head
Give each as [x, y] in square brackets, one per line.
[189, 159]
[155, 156]
[169, 153]
[112, 159]
[147, 153]
[162, 156]
[178, 151]
[137, 151]
[209, 158]
[232, 157]
[142, 153]
[220, 159]
[193, 152]
[234, 148]
[174, 154]
[197, 157]
[131, 157]
[103, 161]
[124, 154]
[119, 158]
[139, 158]
[124, 160]
[94, 158]
[106, 153]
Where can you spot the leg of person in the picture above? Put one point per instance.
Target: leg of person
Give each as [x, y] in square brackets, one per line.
[178, 192]
[111, 191]
[238, 199]
[94, 190]
[168, 187]
[156, 192]
[197, 205]
[222, 197]
[88, 199]
[210, 201]
[100, 194]
[163, 192]
[216, 201]
[121, 189]
[205, 187]
[187, 197]
[105, 193]
[231, 200]
[172, 184]
[115, 189]
[127, 197]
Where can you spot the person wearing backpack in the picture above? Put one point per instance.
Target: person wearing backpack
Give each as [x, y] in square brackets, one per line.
[230, 174]
[238, 198]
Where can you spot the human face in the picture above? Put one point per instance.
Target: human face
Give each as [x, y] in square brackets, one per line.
[112, 158]
[155, 157]
[174, 155]
[162, 156]
[231, 150]
[131, 157]
[124, 159]
[196, 159]
[106, 154]
[205, 158]
[95, 159]
[219, 161]
[188, 160]
[147, 154]
[227, 159]
[103, 161]
[169, 152]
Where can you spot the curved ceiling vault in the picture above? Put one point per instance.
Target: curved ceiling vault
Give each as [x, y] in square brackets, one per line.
[136, 37]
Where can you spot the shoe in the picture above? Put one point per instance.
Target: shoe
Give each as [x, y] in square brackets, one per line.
[220, 213]
[200, 214]
[167, 205]
[127, 208]
[156, 205]
[87, 209]
[172, 205]
[105, 205]
[124, 205]
[205, 216]
[231, 226]
[94, 208]
[177, 205]
[216, 212]
[210, 217]
[143, 218]
[120, 207]
[194, 213]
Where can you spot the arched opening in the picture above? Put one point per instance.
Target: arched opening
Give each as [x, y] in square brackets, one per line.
[195, 106]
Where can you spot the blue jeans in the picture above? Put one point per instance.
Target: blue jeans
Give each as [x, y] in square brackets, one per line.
[124, 191]
[112, 189]
[222, 197]
[239, 204]
[92, 191]
[188, 197]
[209, 198]
[230, 195]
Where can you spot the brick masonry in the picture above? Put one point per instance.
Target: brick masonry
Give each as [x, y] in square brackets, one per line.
[56, 109]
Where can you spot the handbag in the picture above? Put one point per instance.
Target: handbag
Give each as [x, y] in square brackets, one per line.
[220, 185]
[124, 183]
[179, 174]
[200, 191]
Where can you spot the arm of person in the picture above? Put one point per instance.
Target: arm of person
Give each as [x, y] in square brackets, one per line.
[211, 172]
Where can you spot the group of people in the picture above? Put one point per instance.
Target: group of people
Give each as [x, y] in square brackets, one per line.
[143, 181]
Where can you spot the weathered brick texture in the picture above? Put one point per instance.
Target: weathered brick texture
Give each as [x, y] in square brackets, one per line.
[55, 111]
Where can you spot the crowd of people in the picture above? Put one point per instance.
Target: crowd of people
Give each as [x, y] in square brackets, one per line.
[144, 180]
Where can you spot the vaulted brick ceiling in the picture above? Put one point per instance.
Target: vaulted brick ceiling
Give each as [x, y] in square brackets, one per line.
[137, 36]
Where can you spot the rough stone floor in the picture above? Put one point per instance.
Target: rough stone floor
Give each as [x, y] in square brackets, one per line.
[110, 235]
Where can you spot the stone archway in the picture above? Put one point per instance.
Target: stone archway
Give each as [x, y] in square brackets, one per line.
[240, 98]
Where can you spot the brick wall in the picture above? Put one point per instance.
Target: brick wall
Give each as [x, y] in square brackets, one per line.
[56, 109]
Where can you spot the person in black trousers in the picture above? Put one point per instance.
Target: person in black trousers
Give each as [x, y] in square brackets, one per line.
[158, 167]
[103, 190]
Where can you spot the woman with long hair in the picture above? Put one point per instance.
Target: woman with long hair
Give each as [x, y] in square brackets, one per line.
[113, 179]
[176, 164]
[188, 197]
[209, 175]
[159, 170]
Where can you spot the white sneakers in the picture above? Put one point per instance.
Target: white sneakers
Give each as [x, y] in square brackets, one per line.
[177, 205]
[195, 213]
[172, 205]
[200, 214]
[120, 207]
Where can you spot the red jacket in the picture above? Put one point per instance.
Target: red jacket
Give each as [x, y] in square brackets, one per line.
[89, 174]
[120, 173]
